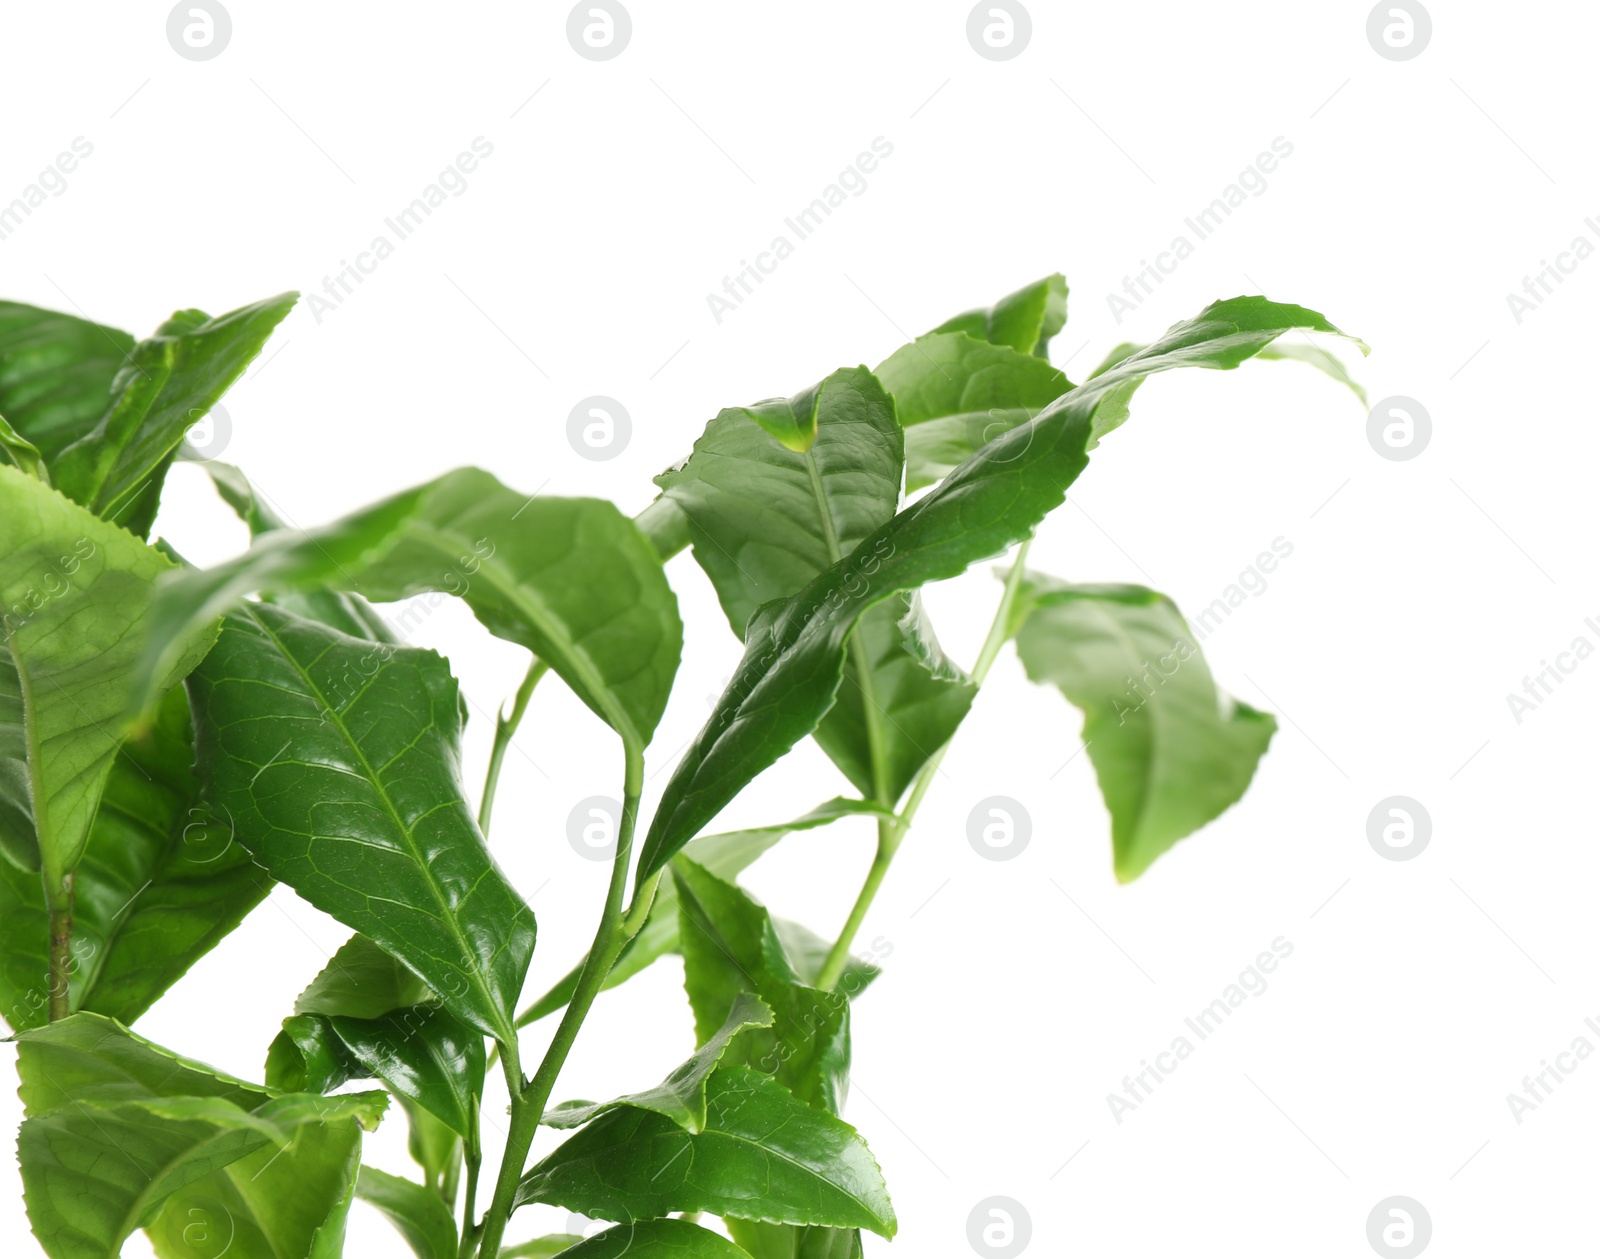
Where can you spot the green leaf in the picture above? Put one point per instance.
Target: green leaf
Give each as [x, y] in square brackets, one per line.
[764, 1155]
[362, 981]
[417, 1212]
[955, 393]
[75, 597]
[572, 579]
[159, 885]
[1170, 749]
[546, 1247]
[681, 1097]
[731, 946]
[789, 1241]
[795, 651]
[1024, 320]
[337, 761]
[169, 382]
[766, 516]
[115, 1126]
[22, 452]
[725, 856]
[918, 694]
[1315, 356]
[770, 505]
[55, 373]
[647, 1239]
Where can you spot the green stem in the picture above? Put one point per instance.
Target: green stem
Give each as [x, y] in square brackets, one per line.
[474, 1159]
[529, 1097]
[58, 894]
[891, 831]
[505, 726]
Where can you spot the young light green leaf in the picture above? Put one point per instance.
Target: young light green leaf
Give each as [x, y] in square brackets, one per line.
[764, 1154]
[572, 579]
[681, 1097]
[362, 981]
[1024, 320]
[725, 856]
[1171, 751]
[646, 1239]
[55, 373]
[546, 1247]
[954, 393]
[790, 1241]
[169, 382]
[336, 760]
[75, 597]
[1315, 356]
[115, 1126]
[158, 886]
[795, 651]
[23, 453]
[418, 1213]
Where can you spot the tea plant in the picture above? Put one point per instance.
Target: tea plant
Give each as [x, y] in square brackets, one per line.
[174, 740]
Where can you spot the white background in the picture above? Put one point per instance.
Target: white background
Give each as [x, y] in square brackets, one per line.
[1018, 994]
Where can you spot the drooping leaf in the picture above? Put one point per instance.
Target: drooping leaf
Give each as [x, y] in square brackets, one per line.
[763, 1155]
[681, 1097]
[75, 597]
[1170, 749]
[919, 696]
[954, 393]
[777, 493]
[337, 761]
[572, 579]
[546, 1247]
[346, 612]
[731, 946]
[362, 981]
[647, 1239]
[1314, 355]
[416, 1211]
[795, 651]
[159, 885]
[725, 856]
[1024, 320]
[168, 383]
[115, 1127]
[55, 373]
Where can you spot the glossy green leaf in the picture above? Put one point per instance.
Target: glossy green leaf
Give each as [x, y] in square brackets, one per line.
[546, 1247]
[1170, 749]
[730, 946]
[417, 1212]
[116, 1126]
[1024, 320]
[650, 1239]
[955, 393]
[159, 885]
[767, 513]
[681, 1097]
[572, 579]
[725, 856]
[795, 651]
[764, 1155]
[168, 383]
[75, 597]
[55, 373]
[336, 760]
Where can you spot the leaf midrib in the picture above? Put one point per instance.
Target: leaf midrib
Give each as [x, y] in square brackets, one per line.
[447, 915]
